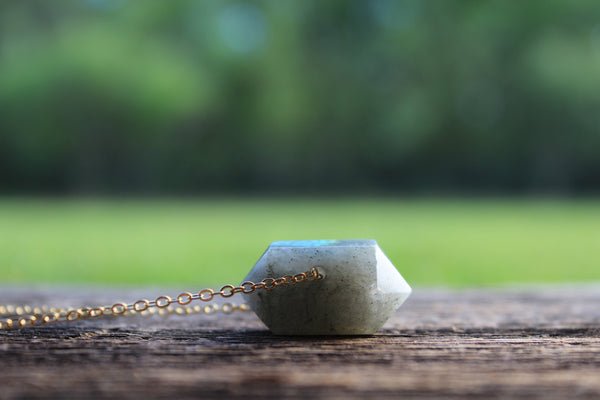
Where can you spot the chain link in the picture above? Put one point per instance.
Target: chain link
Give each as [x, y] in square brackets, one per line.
[24, 316]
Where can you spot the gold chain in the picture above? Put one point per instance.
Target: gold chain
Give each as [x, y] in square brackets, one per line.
[37, 316]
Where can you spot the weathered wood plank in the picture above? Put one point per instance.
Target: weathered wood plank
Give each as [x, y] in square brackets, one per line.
[510, 343]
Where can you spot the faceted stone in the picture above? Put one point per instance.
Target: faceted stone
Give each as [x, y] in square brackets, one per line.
[361, 288]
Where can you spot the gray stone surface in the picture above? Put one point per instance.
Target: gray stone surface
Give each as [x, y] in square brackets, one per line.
[360, 292]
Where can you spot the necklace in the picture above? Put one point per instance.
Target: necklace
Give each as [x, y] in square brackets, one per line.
[349, 287]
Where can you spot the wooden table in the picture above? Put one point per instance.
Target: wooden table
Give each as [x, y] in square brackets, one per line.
[535, 343]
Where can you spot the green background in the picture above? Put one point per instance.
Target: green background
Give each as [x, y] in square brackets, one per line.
[216, 241]
[169, 142]
[266, 97]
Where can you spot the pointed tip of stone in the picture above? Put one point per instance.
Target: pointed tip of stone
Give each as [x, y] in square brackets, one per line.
[388, 278]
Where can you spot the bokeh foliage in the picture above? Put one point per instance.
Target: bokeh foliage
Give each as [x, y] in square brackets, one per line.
[185, 96]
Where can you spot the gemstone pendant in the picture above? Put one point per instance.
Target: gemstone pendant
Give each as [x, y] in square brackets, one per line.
[360, 291]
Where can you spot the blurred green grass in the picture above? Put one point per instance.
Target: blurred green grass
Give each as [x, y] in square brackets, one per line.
[213, 241]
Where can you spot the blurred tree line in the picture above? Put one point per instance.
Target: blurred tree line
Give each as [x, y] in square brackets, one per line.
[183, 96]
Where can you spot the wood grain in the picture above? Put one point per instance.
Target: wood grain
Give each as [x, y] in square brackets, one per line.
[540, 343]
